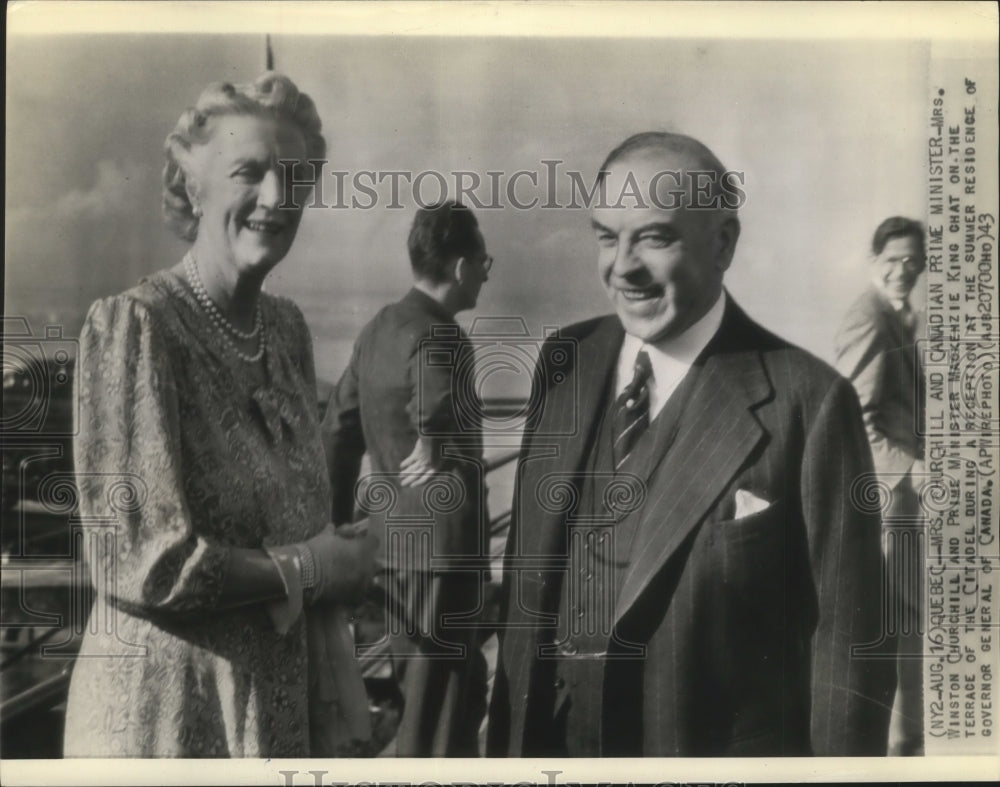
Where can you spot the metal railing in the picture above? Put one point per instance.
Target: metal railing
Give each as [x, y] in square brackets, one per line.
[52, 690]
[376, 658]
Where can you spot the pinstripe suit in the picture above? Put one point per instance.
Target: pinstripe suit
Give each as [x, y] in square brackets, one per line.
[745, 625]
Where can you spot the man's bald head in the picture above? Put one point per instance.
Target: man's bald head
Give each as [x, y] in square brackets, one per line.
[666, 233]
[665, 142]
[692, 167]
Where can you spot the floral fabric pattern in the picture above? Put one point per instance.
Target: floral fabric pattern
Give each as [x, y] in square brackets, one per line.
[181, 455]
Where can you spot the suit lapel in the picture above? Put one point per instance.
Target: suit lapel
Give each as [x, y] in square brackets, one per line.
[716, 434]
[574, 415]
[648, 453]
[597, 358]
[571, 411]
[892, 322]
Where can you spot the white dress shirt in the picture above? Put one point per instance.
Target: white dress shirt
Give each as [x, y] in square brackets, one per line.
[670, 358]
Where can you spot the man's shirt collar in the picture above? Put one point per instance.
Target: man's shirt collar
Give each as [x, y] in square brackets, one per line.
[670, 358]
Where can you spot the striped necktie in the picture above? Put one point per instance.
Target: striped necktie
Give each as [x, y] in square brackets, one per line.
[631, 411]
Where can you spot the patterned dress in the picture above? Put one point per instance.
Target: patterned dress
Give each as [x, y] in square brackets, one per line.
[181, 455]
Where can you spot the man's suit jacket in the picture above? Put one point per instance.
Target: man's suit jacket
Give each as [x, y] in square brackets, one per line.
[875, 351]
[747, 623]
[407, 377]
[411, 374]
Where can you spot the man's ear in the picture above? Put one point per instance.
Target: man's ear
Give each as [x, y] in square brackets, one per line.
[461, 270]
[727, 233]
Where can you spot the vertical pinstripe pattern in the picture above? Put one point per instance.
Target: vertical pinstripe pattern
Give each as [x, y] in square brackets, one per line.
[718, 433]
[748, 622]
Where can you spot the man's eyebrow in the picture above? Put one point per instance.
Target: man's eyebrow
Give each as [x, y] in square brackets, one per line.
[665, 227]
[660, 226]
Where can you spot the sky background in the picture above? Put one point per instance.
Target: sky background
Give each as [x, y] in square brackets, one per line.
[831, 136]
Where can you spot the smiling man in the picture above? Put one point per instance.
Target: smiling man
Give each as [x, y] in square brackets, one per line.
[686, 572]
[876, 350]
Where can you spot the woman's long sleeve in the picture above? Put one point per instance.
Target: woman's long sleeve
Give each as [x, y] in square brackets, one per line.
[129, 469]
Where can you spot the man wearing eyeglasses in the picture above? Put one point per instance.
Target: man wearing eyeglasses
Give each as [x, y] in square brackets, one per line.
[876, 351]
[407, 400]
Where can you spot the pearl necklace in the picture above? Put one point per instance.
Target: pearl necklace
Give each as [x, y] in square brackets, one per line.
[224, 326]
[206, 301]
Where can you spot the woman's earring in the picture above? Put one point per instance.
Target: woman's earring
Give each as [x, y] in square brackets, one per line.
[196, 210]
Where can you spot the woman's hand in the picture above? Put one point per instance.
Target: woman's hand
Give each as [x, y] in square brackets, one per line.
[345, 565]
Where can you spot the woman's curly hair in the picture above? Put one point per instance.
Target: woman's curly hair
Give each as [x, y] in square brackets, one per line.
[271, 94]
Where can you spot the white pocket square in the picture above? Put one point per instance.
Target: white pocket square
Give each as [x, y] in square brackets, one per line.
[748, 503]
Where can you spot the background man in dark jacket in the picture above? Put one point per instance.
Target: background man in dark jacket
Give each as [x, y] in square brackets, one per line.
[407, 400]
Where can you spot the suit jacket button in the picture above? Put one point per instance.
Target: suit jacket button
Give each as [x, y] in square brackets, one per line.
[559, 683]
[569, 649]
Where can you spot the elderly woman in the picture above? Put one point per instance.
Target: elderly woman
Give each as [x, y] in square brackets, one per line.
[202, 479]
